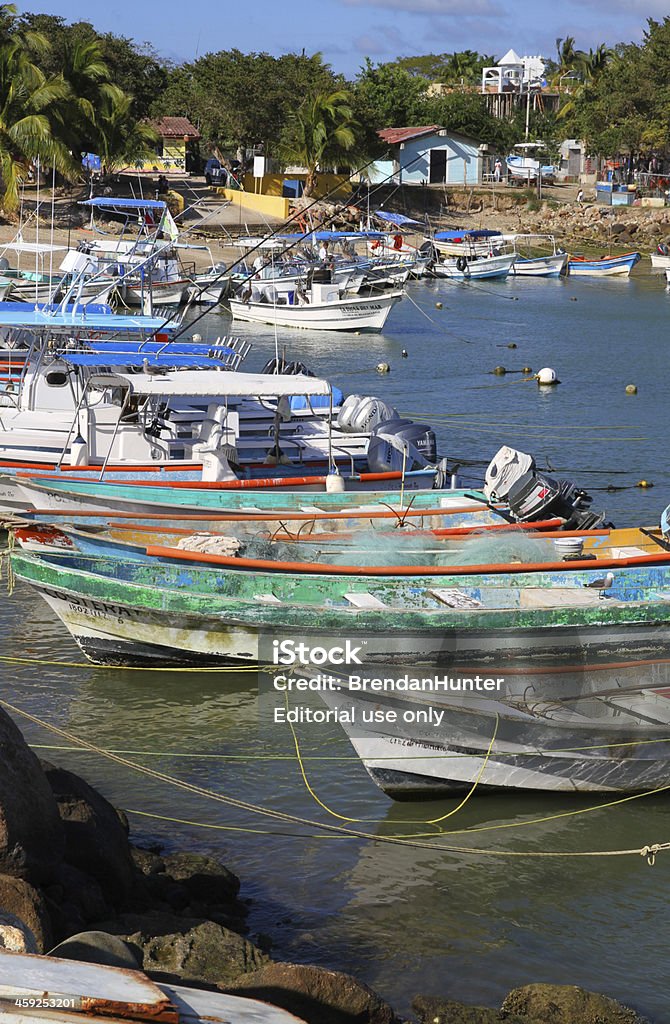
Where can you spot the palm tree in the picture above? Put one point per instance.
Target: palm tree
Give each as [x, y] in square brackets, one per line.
[88, 78]
[121, 140]
[28, 125]
[321, 133]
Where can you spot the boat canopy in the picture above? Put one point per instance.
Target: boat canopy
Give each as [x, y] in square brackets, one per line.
[399, 219]
[41, 248]
[111, 203]
[7, 306]
[145, 347]
[112, 358]
[216, 383]
[60, 322]
[454, 236]
[330, 236]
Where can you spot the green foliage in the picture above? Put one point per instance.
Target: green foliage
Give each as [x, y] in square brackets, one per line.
[243, 99]
[462, 67]
[387, 96]
[624, 105]
[321, 134]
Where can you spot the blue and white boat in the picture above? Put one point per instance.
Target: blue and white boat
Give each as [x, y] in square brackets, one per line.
[606, 266]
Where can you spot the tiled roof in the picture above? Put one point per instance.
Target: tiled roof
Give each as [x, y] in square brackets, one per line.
[175, 127]
[396, 135]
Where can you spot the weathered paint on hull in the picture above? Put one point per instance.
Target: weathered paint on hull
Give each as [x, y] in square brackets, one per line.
[226, 609]
[562, 733]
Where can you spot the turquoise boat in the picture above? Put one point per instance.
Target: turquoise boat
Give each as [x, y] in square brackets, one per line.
[145, 497]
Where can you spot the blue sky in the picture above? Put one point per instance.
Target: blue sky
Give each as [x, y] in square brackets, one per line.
[348, 30]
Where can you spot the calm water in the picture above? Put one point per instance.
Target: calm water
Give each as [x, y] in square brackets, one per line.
[408, 920]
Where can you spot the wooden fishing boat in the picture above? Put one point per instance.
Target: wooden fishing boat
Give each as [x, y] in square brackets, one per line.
[304, 493]
[606, 266]
[186, 607]
[600, 726]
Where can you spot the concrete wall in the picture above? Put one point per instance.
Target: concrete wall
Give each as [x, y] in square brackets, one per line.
[270, 206]
[173, 158]
[336, 186]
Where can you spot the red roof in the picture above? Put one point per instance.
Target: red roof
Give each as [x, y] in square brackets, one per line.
[175, 127]
[396, 135]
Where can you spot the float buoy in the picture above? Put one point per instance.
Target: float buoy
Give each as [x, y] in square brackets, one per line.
[499, 371]
[383, 368]
[631, 389]
[546, 377]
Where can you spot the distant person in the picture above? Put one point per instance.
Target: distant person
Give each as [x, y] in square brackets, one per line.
[323, 252]
[497, 170]
[163, 186]
[580, 197]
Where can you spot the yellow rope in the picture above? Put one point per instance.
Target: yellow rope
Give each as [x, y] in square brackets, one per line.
[648, 851]
[342, 817]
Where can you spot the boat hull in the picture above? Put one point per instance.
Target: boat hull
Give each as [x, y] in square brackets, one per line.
[474, 270]
[540, 266]
[614, 266]
[594, 729]
[355, 314]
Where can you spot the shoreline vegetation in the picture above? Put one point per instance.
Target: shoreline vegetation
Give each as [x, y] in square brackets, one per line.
[68, 868]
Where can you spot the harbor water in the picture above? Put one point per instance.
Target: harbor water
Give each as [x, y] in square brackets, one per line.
[453, 922]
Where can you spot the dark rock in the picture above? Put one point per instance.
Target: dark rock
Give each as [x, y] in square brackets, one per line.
[316, 995]
[433, 1010]
[99, 948]
[204, 877]
[567, 1004]
[147, 861]
[187, 949]
[31, 834]
[618, 228]
[96, 837]
[82, 890]
[19, 899]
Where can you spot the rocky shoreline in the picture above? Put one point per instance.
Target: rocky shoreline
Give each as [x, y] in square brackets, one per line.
[67, 867]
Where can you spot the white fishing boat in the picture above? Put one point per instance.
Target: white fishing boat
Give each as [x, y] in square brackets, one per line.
[531, 263]
[474, 267]
[319, 308]
[660, 260]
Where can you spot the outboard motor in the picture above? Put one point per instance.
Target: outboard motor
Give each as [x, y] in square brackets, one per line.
[419, 435]
[535, 496]
[401, 443]
[504, 469]
[359, 415]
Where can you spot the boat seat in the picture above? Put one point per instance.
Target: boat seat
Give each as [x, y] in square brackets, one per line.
[559, 597]
[267, 598]
[454, 598]
[628, 552]
[366, 601]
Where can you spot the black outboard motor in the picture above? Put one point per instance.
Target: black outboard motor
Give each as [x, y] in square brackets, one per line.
[280, 365]
[536, 496]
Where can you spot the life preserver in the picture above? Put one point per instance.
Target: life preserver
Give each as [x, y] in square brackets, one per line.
[376, 244]
[397, 241]
[461, 263]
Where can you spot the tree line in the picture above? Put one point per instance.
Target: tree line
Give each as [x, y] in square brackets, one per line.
[67, 89]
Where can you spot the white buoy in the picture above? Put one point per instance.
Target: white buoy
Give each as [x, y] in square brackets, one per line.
[383, 368]
[546, 376]
[196, 338]
[335, 483]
